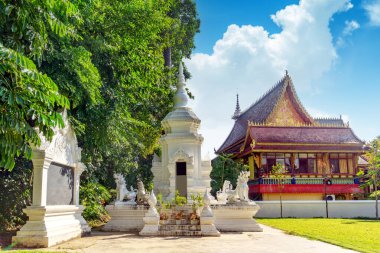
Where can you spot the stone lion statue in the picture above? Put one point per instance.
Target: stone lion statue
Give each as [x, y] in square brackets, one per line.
[242, 186]
[142, 196]
[122, 192]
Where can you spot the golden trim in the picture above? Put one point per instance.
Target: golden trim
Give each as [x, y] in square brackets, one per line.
[239, 155]
[306, 144]
[302, 151]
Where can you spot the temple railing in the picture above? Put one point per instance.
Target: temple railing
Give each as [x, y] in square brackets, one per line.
[301, 181]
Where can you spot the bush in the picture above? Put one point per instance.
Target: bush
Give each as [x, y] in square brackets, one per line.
[94, 197]
[15, 194]
[373, 195]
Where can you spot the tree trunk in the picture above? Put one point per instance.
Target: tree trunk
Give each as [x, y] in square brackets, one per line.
[281, 204]
[168, 57]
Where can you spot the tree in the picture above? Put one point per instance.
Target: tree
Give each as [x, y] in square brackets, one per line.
[372, 177]
[29, 98]
[137, 87]
[278, 174]
[224, 168]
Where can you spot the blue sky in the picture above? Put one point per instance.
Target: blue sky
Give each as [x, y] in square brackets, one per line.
[331, 49]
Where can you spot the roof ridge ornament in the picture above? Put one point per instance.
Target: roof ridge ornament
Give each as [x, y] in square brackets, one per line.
[180, 97]
[237, 109]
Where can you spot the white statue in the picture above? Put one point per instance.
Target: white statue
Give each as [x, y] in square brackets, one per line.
[122, 191]
[222, 195]
[142, 195]
[242, 186]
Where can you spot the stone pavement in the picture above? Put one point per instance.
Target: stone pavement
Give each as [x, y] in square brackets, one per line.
[270, 240]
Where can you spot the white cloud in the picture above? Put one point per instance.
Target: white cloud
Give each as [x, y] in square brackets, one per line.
[249, 59]
[349, 28]
[373, 11]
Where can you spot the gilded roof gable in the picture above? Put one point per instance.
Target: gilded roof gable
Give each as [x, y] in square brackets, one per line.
[279, 106]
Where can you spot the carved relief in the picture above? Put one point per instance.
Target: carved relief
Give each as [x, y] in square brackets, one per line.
[180, 154]
[285, 113]
[63, 148]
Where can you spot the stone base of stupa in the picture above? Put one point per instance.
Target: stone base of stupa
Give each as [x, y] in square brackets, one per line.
[236, 217]
[51, 225]
[125, 217]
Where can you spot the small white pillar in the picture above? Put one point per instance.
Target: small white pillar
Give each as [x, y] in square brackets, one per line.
[41, 165]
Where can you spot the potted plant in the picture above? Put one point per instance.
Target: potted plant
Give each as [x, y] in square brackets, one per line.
[164, 218]
[179, 217]
[197, 202]
[194, 218]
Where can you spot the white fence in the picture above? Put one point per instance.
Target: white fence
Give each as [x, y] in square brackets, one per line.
[310, 209]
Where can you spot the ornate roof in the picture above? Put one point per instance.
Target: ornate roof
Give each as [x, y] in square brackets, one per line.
[330, 121]
[261, 110]
[304, 129]
[301, 138]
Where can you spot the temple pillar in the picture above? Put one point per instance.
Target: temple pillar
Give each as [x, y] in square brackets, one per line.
[251, 163]
[41, 165]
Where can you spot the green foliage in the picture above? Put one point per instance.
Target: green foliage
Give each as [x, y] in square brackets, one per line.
[372, 176]
[372, 196]
[278, 173]
[15, 194]
[28, 99]
[102, 60]
[94, 197]
[224, 168]
[179, 200]
[357, 234]
[197, 201]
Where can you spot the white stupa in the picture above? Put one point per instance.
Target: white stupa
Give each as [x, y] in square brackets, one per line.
[180, 166]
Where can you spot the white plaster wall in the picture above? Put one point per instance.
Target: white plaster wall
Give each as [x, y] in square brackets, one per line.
[310, 209]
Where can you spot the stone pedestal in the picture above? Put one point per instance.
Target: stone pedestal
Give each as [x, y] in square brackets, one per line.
[126, 218]
[237, 217]
[207, 218]
[152, 218]
[208, 228]
[51, 225]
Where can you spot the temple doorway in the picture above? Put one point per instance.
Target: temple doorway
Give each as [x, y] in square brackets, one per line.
[181, 178]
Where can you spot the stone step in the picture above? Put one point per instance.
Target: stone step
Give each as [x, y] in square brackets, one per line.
[179, 227]
[179, 233]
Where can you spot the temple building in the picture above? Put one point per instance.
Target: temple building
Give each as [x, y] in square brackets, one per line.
[319, 156]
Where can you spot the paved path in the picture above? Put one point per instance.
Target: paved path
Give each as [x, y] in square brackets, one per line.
[271, 240]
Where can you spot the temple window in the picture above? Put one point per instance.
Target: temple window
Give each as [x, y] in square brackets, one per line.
[334, 163]
[308, 163]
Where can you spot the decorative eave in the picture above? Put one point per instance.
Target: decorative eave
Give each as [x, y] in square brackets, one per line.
[289, 83]
[346, 140]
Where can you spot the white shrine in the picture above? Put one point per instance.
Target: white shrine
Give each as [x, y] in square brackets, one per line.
[180, 166]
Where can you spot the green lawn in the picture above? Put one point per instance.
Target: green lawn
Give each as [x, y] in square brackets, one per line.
[357, 234]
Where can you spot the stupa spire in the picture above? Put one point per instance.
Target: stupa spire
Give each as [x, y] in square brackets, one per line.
[237, 109]
[180, 97]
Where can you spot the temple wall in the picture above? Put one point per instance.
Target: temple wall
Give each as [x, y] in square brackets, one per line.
[310, 209]
[292, 196]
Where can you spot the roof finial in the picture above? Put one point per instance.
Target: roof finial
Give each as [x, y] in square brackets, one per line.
[286, 72]
[237, 109]
[180, 97]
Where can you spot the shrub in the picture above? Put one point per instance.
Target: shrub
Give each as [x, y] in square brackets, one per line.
[373, 195]
[15, 194]
[94, 197]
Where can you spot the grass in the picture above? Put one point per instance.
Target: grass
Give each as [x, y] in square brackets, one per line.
[358, 234]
